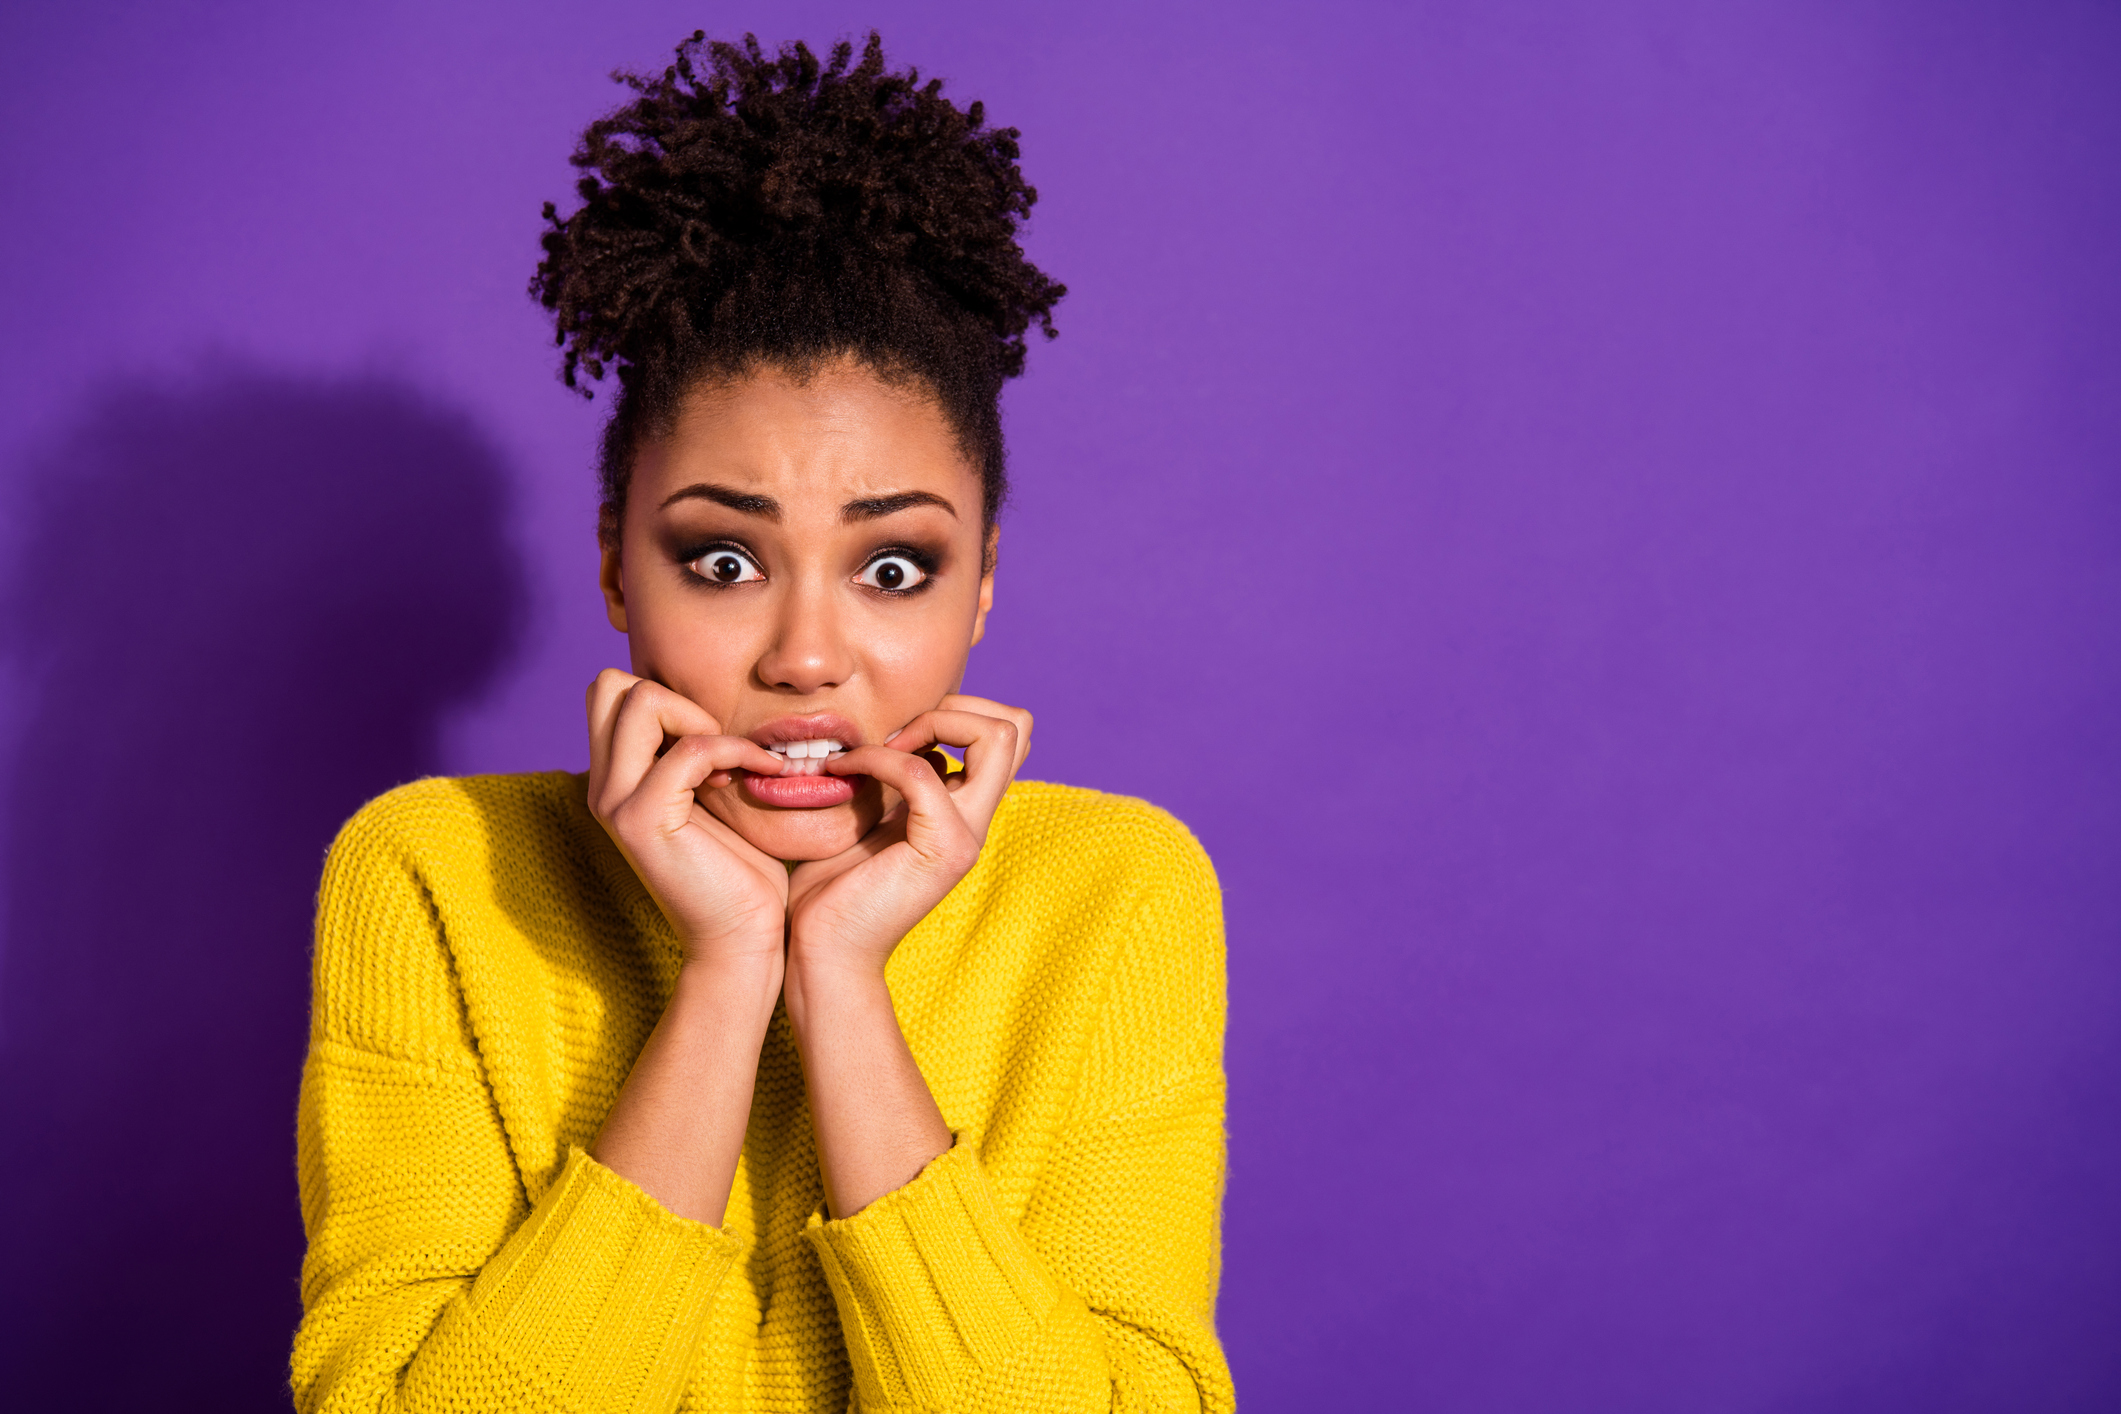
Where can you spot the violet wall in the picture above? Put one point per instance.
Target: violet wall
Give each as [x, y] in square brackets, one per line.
[1606, 519]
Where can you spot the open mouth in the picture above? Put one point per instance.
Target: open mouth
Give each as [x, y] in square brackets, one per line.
[804, 743]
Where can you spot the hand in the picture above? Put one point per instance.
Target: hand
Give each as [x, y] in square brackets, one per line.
[649, 751]
[849, 912]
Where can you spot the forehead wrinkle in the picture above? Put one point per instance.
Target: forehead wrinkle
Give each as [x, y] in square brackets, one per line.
[816, 444]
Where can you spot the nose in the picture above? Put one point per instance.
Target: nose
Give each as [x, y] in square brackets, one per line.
[808, 652]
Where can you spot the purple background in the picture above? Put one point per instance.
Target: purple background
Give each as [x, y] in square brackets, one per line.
[1602, 516]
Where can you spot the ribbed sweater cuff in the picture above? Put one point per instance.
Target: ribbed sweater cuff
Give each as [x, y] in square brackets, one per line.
[600, 1296]
[933, 1283]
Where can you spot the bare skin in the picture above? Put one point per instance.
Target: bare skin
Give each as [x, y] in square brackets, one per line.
[801, 558]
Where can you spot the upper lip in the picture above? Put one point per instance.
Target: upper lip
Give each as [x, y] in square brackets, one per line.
[819, 726]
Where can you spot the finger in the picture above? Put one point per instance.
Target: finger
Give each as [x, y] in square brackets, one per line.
[765, 865]
[935, 825]
[988, 707]
[989, 747]
[664, 803]
[990, 755]
[666, 788]
[648, 715]
[604, 696]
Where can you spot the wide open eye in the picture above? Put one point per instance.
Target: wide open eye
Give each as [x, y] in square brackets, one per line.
[893, 572]
[726, 564]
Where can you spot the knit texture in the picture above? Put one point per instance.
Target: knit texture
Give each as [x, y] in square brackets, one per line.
[488, 966]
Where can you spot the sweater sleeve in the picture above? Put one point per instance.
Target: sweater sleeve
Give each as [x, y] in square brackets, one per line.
[1101, 1296]
[431, 1282]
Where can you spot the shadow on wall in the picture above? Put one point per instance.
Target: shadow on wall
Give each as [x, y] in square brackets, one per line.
[243, 608]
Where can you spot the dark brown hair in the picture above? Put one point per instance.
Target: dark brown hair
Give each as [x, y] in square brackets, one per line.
[748, 209]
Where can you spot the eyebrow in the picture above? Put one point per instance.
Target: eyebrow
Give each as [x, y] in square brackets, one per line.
[743, 501]
[877, 507]
[867, 508]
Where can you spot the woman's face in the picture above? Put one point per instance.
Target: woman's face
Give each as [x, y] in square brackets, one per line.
[804, 560]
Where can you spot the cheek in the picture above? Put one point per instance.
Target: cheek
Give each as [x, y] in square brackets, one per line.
[708, 663]
[916, 658]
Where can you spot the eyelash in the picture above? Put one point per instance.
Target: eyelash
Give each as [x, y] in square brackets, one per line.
[927, 563]
[690, 557]
[921, 559]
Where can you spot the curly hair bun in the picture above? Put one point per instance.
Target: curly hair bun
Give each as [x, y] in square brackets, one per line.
[747, 208]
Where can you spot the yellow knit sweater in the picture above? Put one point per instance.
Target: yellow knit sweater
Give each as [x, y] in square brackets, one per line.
[487, 967]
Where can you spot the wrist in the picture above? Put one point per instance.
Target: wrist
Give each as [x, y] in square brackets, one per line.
[818, 988]
[744, 987]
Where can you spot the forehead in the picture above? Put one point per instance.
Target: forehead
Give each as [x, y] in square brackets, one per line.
[840, 432]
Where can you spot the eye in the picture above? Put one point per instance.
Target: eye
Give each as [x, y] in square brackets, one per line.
[893, 573]
[725, 564]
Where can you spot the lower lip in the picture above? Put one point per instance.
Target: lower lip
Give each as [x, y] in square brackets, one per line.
[798, 792]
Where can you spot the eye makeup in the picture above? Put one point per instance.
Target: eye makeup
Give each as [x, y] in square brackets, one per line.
[724, 564]
[880, 575]
[720, 564]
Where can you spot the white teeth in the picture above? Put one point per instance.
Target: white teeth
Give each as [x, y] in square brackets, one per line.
[805, 758]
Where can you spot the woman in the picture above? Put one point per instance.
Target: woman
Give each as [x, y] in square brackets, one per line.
[779, 1062]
